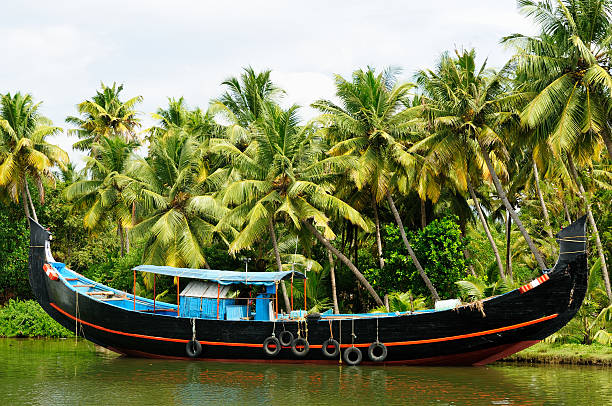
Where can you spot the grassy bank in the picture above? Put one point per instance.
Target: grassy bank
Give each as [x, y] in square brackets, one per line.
[576, 354]
[27, 319]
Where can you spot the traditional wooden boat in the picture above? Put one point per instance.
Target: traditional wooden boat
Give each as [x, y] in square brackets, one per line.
[208, 323]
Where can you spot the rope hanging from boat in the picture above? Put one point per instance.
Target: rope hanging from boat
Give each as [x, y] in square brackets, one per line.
[340, 352]
[77, 318]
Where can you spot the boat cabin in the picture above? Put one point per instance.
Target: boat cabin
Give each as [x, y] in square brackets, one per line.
[225, 295]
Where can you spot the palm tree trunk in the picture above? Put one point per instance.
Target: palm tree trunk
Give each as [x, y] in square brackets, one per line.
[381, 260]
[508, 246]
[565, 209]
[466, 254]
[504, 199]
[541, 197]
[487, 230]
[27, 189]
[423, 214]
[121, 237]
[415, 260]
[585, 199]
[332, 276]
[345, 260]
[26, 206]
[279, 264]
[608, 141]
[127, 241]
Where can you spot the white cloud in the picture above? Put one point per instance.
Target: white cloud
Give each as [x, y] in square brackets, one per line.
[60, 51]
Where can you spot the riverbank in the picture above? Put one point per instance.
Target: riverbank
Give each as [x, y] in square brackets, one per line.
[573, 354]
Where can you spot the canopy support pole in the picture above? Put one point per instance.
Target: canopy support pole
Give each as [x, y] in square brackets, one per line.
[178, 297]
[304, 294]
[276, 300]
[218, 292]
[291, 295]
[134, 290]
[154, 277]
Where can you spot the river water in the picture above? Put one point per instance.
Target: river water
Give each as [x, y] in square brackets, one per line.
[66, 372]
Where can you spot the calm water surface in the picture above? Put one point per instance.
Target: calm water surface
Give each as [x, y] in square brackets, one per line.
[59, 372]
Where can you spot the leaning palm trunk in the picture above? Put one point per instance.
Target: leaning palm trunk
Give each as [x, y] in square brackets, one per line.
[345, 260]
[279, 264]
[487, 230]
[423, 214]
[508, 246]
[121, 237]
[27, 189]
[415, 260]
[381, 260]
[541, 198]
[582, 195]
[504, 199]
[608, 141]
[332, 276]
[26, 205]
[127, 240]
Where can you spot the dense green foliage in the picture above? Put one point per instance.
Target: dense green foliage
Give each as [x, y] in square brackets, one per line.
[477, 165]
[14, 243]
[27, 319]
[438, 246]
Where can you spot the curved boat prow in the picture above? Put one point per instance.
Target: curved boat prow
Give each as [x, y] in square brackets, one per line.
[572, 243]
[40, 253]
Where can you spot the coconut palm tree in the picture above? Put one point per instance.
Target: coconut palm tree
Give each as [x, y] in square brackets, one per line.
[178, 208]
[566, 71]
[24, 152]
[453, 160]
[366, 123]
[474, 103]
[245, 101]
[282, 177]
[104, 194]
[566, 68]
[105, 115]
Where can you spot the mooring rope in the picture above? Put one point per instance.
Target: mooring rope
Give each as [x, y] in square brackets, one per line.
[193, 329]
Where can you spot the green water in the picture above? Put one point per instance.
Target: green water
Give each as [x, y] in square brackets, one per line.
[63, 372]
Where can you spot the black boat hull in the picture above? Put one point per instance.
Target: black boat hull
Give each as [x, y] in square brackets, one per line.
[474, 334]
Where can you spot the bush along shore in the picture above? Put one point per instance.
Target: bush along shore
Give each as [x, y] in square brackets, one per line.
[27, 319]
[553, 353]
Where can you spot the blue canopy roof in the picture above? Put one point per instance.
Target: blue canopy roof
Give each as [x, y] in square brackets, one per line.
[222, 277]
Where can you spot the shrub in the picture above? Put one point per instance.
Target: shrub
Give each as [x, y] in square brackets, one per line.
[439, 248]
[28, 319]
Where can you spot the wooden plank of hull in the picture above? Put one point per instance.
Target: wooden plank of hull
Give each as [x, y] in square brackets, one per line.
[461, 336]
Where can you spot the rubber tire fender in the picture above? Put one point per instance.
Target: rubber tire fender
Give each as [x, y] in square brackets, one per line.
[328, 343]
[300, 342]
[193, 348]
[285, 338]
[374, 346]
[267, 344]
[347, 354]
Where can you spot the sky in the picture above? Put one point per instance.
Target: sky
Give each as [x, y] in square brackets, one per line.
[60, 51]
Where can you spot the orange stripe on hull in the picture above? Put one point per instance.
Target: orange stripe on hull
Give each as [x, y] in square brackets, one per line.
[218, 343]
